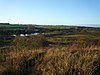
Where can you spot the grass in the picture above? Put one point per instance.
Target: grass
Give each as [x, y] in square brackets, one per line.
[31, 42]
[76, 54]
[51, 61]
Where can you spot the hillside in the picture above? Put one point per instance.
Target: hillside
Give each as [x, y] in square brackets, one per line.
[55, 50]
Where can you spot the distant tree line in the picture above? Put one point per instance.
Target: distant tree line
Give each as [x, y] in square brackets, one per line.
[5, 23]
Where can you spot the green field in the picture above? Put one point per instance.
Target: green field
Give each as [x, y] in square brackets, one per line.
[12, 26]
[23, 26]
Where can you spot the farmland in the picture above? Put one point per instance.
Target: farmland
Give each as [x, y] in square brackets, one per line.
[55, 50]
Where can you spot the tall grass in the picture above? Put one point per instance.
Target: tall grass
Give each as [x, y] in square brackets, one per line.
[31, 42]
[70, 60]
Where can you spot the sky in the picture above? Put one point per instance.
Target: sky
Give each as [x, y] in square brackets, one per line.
[57, 12]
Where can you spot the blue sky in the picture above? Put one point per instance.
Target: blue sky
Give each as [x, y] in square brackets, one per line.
[50, 11]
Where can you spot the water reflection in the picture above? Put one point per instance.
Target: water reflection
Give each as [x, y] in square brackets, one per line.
[25, 34]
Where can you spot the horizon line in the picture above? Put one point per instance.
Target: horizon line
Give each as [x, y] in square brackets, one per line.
[85, 25]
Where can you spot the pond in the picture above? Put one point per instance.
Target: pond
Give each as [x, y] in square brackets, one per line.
[26, 34]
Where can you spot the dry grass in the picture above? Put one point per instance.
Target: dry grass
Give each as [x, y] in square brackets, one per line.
[52, 61]
[62, 61]
[31, 42]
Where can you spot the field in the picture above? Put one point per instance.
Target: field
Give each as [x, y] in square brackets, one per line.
[56, 50]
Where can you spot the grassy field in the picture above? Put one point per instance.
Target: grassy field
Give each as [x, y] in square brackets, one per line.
[12, 26]
[60, 53]
[70, 60]
[23, 26]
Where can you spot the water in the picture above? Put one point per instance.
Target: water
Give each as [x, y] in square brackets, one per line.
[26, 34]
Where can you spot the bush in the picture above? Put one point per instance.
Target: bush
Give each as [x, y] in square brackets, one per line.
[35, 41]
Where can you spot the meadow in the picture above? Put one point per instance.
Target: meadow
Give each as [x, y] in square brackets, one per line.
[55, 52]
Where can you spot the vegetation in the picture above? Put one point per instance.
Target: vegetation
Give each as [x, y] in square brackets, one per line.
[31, 42]
[52, 61]
[72, 51]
